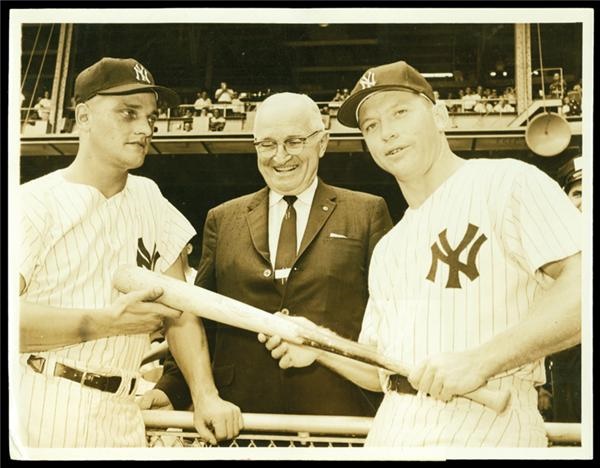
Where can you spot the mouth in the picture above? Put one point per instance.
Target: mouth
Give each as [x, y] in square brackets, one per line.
[396, 151]
[285, 169]
[139, 144]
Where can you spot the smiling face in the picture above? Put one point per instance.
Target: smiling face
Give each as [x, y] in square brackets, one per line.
[285, 117]
[404, 132]
[117, 129]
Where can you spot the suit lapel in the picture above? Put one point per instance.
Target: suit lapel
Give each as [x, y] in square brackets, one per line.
[322, 207]
[258, 222]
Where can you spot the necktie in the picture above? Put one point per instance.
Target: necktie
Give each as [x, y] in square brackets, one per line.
[286, 247]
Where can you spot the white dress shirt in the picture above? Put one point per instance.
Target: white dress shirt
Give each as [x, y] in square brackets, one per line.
[277, 209]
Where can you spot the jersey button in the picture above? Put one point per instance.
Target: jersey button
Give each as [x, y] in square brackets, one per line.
[285, 311]
[267, 273]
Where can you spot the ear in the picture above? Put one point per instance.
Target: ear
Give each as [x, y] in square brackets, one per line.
[323, 144]
[82, 116]
[440, 116]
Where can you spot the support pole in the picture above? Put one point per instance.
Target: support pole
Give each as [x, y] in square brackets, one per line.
[523, 66]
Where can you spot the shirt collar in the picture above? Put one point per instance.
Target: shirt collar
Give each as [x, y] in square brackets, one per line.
[305, 197]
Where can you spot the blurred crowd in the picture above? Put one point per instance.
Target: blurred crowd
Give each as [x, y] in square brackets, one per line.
[226, 103]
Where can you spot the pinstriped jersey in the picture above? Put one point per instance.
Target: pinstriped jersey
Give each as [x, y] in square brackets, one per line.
[73, 241]
[452, 274]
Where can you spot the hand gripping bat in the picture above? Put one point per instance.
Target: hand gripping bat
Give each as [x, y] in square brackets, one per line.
[207, 304]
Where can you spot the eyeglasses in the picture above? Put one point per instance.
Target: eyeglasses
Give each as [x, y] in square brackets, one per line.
[293, 145]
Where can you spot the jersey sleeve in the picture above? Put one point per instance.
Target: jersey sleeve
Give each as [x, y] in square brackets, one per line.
[33, 225]
[371, 320]
[175, 233]
[541, 225]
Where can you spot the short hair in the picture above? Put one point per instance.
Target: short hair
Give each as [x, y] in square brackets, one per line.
[313, 114]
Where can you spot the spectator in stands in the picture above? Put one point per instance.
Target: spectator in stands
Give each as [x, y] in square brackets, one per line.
[510, 96]
[202, 103]
[576, 96]
[574, 107]
[338, 96]
[224, 94]
[494, 94]
[43, 106]
[345, 94]
[503, 106]
[483, 106]
[162, 111]
[566, 108]
[469, 100]
[216, 121]
[557, 87]
[187, 126]
[237, 105]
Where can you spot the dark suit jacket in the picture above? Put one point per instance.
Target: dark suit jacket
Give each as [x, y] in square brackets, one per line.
[327, 284]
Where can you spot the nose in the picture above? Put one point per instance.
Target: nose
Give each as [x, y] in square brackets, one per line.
[281, 155]
[145, 127]
[388, 131]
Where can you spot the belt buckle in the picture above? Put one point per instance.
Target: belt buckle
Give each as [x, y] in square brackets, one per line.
[37, 363]
[101, 382]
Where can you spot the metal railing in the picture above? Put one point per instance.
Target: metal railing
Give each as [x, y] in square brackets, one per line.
[176, 429]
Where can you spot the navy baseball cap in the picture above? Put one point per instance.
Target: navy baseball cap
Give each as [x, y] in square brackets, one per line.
[570, 172]
[397, 75]
[117, 76]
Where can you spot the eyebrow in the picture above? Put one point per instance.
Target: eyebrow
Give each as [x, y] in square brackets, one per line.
[137, 107]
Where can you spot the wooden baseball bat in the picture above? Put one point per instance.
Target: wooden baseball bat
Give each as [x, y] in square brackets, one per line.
[207, 304]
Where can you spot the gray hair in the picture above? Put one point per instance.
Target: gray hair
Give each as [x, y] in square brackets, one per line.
[295, 102]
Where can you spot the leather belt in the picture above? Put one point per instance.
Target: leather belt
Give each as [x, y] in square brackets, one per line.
[89, 379]
[398, 383]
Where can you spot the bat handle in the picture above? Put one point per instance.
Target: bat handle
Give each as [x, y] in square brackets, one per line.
[493, 399]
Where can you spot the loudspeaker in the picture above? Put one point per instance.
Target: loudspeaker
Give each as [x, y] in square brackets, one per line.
[548, 134]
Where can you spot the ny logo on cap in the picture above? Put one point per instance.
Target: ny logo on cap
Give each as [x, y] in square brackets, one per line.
[368, 80]
[141, 74]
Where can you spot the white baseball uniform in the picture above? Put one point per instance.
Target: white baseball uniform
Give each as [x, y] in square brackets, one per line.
[453, 273]
[73, 240]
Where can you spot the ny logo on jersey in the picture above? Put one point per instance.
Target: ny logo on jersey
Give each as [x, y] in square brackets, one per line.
[144, 259]
[141, 74]
[450, 256]
[367, 80]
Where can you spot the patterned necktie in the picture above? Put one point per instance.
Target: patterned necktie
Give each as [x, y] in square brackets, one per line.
[286, 248]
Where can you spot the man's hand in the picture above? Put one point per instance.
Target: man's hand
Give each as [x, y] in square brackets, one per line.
[136, 313]
[216, 419]
[289, 355]
[155, 399]
[445, 375]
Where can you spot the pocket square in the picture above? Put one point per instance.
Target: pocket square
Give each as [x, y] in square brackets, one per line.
[337, 236]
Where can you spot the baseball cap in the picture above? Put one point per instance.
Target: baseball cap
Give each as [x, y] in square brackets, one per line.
[117, 76]
[397, 75]
[570, 172]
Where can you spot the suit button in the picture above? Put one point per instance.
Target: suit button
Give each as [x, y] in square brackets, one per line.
[285, 311]
[267, 273]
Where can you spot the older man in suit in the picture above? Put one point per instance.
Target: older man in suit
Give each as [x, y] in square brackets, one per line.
[298, 246]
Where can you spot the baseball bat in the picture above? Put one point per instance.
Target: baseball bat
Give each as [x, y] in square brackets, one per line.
[201, 302]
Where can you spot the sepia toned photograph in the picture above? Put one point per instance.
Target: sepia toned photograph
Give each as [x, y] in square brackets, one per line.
[302, 233]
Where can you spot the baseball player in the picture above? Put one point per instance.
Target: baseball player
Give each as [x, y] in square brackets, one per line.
[565, 368]
[475, 285]
[81, 340]
[569, 176]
